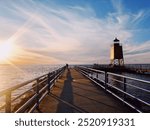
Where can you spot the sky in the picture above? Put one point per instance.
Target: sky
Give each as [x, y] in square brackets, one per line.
[75, 31]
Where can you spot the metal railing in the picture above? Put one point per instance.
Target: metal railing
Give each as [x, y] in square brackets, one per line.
[32, 93]
[127, 89]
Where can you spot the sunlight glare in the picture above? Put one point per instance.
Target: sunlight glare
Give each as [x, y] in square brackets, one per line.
[6, 50]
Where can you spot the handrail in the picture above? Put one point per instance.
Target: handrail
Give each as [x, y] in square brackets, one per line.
[123, 76]
[122, 93]
[40, 86]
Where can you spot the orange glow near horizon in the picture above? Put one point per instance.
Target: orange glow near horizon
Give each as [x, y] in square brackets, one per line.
[10, 53]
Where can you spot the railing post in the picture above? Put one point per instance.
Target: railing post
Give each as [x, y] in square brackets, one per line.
[48, 82]
[37, 92]
[57, 72]
[124, 88]
[8, 103]
[106, 80]
[54, 76]
[97, 76]
[91, 74]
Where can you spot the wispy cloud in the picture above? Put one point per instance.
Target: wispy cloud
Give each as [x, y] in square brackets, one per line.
[118, 6]
[134, 49]
[70, 34]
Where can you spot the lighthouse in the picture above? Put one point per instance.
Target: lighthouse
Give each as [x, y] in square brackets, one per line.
[116, 54]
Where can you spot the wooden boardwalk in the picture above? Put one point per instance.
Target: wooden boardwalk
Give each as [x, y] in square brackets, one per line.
[75, 93]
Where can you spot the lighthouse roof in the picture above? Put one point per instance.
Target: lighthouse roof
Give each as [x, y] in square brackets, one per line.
[116, 40]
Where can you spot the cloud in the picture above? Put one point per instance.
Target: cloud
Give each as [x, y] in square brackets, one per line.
[138, 58]
[61, 34]
[132, 49]
[118, 6]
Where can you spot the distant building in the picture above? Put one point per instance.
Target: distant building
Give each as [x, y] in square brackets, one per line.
[116, 54]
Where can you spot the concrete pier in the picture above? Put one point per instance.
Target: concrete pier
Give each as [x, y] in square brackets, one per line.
[75, 93]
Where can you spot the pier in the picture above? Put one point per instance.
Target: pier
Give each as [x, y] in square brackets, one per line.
[131, 68]
[73, 92]
[77, 89]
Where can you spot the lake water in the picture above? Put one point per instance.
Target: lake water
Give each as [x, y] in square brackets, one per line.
[11, 75]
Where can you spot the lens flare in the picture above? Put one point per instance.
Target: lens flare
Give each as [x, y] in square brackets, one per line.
[6, 51]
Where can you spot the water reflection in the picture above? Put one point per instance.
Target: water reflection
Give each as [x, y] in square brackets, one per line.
[12, 75]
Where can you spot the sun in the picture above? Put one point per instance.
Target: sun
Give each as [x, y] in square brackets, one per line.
[6, 50]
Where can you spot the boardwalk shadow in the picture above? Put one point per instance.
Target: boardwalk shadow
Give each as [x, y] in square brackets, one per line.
[66, 95]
